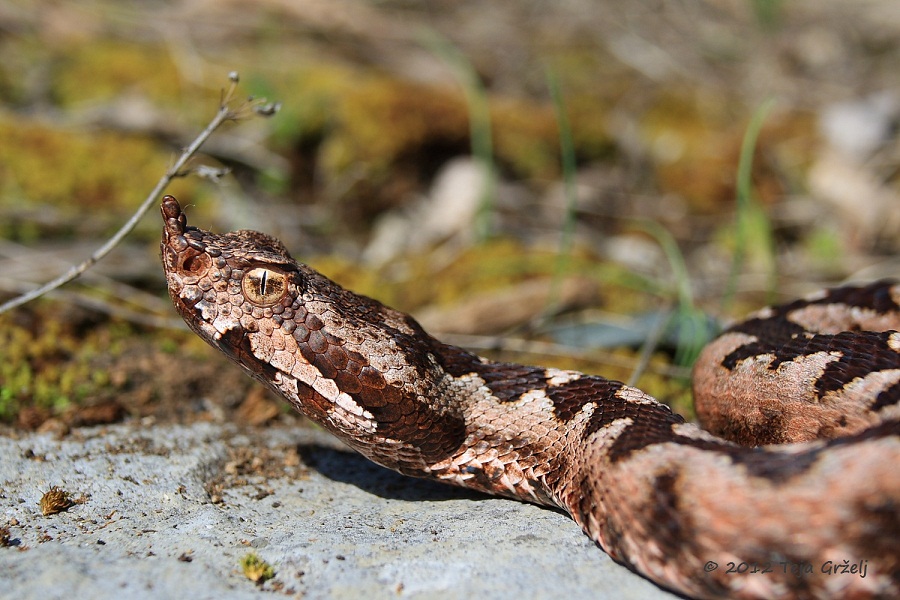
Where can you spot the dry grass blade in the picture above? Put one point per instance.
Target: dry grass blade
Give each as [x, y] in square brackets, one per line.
[21, 266]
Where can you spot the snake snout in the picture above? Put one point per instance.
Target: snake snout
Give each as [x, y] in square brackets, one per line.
[175, 225]
[173, 217]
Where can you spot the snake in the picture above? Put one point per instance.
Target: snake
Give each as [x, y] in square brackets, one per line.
[789, 488]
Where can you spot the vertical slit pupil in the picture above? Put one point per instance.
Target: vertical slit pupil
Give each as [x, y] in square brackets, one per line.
[262, 283]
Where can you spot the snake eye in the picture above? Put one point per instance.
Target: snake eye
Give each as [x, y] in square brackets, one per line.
[264, 287]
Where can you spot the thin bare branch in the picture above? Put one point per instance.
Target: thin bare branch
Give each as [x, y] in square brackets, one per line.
[225, 113]
[22, 264]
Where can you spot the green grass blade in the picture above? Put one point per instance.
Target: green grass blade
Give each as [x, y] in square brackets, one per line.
[479, 122]
[749, 214]
[567, 163]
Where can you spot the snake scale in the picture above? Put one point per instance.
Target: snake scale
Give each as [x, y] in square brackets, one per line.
[801, 500]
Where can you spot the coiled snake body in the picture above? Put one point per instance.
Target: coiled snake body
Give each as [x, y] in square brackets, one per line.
[818, 518]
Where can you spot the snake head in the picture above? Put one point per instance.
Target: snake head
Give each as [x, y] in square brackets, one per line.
[224, 284]
[245, 295]
[346, 361]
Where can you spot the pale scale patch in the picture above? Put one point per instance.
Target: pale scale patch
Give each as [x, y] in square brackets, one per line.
[290, 344]
[532, 395]
[283, 361]
[557, 377]
[207, 310]
[464, 458]
[305, 372]
[862, 314]
[208, 330]
[345, 408]
[635, 395]
[806, 369]
[191, 293]
[536, 400]
[225, 323]
[261, 346]
[317, 307]
[349, 422]
[817, 295]
[576, 423]
[346, 413]
[588, 409]
[350, 405]
[871, 385]
[609, 433]
[504, 480]
[834, 318]
[473, 380]
[689, 430]
[727, 343]
[894, 341]
[326, 387]
[764, 313]
[488, 454]
[287, 384]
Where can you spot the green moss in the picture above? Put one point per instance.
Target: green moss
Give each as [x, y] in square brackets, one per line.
[256, 569]
[75, 173]
[494, 265]
[66, 168]
[169, 346]
[370, 122]
[825, 250]
[695, 148]
[382, 119]
[309, 96]
[49, 365]
[24, 56]
[105, 69]
[526, 138]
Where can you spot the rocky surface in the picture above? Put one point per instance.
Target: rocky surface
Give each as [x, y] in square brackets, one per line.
[170, 511]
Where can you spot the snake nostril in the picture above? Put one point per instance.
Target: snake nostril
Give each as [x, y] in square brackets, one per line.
[196, 264]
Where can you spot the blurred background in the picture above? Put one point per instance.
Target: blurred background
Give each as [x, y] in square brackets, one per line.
[585, 184]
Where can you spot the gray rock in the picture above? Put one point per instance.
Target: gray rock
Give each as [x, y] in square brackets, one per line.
[330, 523]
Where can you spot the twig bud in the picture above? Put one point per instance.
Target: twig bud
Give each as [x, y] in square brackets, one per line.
[268, 109]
